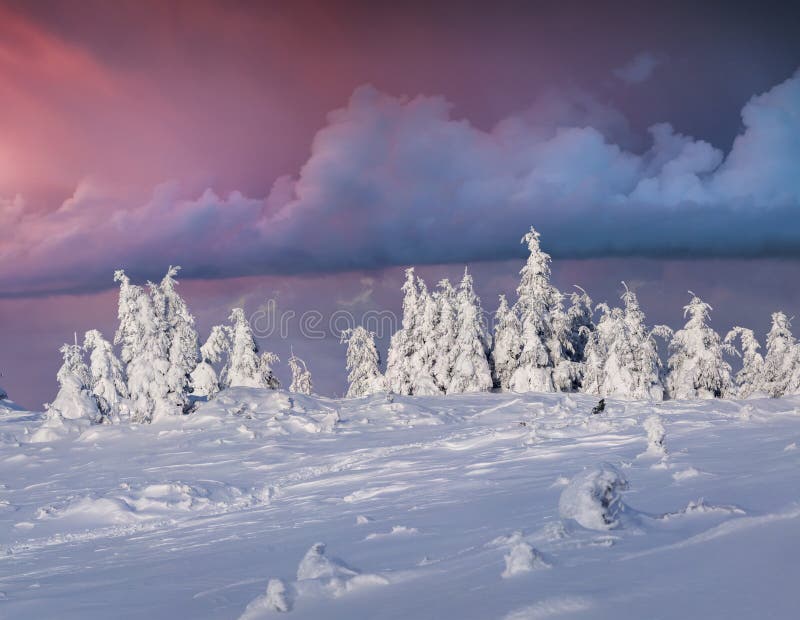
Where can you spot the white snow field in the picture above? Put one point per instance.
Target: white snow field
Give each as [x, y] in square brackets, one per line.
[265, 503]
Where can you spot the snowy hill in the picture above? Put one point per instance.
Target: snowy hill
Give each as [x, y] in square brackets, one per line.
[476, 506]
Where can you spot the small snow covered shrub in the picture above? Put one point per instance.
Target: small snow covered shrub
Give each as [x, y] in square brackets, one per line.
[74, 400]
[593, 500]
[301, 377]
[656, 435]
[521, 559]
[316, 565]
[276, 596]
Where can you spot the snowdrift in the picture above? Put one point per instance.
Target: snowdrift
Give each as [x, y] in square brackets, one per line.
[469, 506]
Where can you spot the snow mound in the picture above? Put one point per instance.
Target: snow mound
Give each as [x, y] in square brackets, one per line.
[56, 427]
[90, 510]
[397, 530]
[275, 412]
[394, 411]
[276, 598]
[700, 507]
[686, 474]
[167, 497]
[522, 558]
[593, 498]
[316, 565]
[317, 576]
[135, 503]
[656, 435]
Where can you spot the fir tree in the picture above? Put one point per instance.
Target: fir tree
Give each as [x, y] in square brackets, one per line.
[74, 399]
[545, 343]
[107, 377]
[145, 353]
[424, 380]
[646, 371]
[244, 367]
[444, 335]
[363, 363]
[266, 362]
[781, 361]
[404, 347]
[696, 366]
[607, 369]
[181, 336]
[204, 379]
[750, 378]
[506, 345]
[580, 319]
[176, 399]
[301, 377]
[471, 368]
[596, 352]
[621, 355]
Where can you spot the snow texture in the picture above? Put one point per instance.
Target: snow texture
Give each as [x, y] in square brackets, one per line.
[439, 506]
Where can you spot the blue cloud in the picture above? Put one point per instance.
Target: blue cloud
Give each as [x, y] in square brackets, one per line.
[393, 180]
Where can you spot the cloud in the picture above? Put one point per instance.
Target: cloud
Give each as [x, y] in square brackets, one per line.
[397, 180]
[639, 68]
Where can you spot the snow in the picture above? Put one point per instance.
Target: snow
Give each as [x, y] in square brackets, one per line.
[593, 498]
[265, 502]
[522, 558]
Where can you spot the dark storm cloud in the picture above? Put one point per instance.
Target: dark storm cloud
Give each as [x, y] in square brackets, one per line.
[393, 180]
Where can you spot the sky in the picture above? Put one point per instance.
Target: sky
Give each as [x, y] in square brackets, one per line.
[314, 149]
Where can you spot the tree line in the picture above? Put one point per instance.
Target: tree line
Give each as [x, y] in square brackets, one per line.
[544, 342]
[549, 342]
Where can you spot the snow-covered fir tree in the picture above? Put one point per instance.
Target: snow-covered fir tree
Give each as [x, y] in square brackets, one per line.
[444, 335]
[750, 378]
[781, 362]
[181, 336]
[645, 369]
[177, 383]
[506, 345]
[301, 377]
[244, 367]
[621, 355]
[267, 361]
[545, 341]
[471, 371]
[424, 359]
[403, 357]
[697, 368]
[204, 379]
[605, 372]
[107, 377]
[74, 399]
[596, 351]
[363, 363]
[145, 353]
[580, 319]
